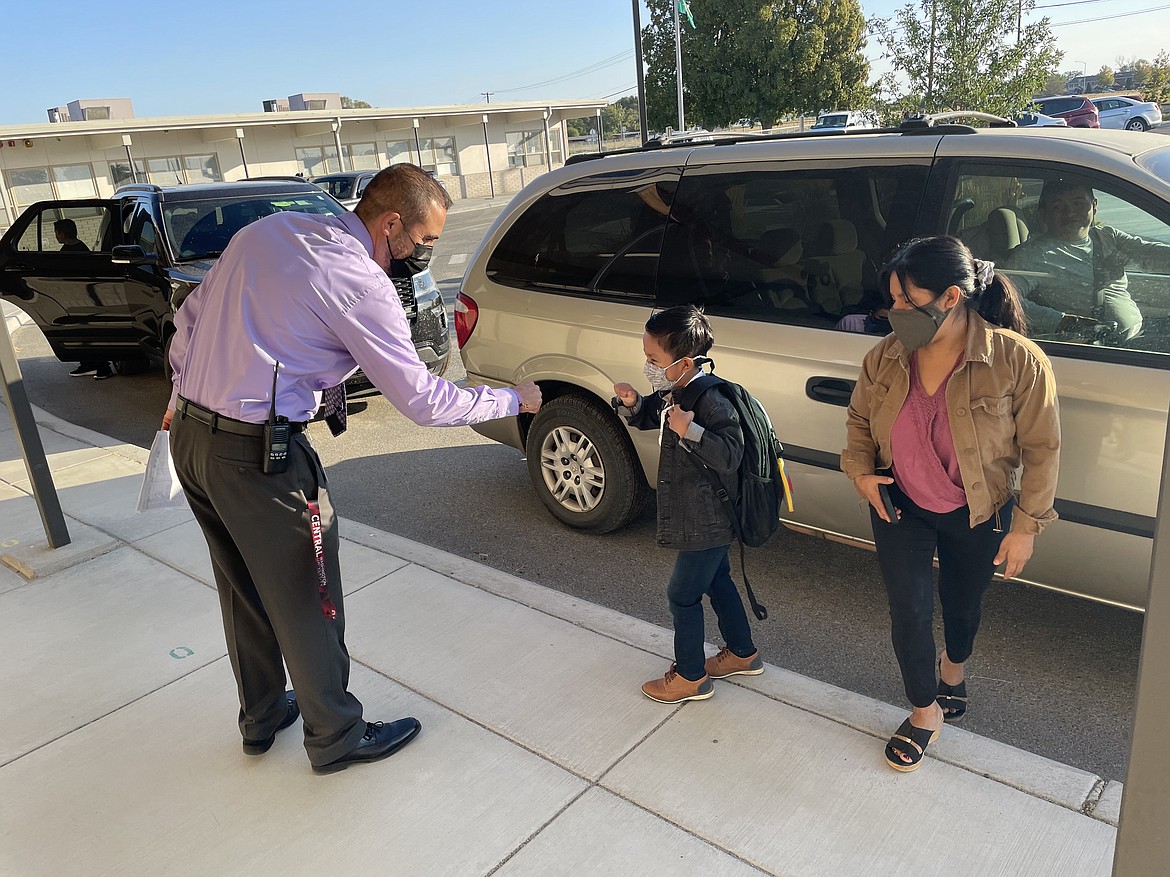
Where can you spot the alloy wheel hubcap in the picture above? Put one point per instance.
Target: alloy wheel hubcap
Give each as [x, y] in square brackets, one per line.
[572, 469]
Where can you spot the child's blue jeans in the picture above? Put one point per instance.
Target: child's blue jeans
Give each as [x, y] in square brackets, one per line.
[697, 573]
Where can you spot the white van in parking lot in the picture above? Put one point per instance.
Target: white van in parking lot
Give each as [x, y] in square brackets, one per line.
[777, 239]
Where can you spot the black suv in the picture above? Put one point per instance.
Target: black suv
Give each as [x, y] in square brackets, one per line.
[103, 278]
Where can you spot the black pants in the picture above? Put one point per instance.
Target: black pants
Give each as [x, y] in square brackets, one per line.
[965, 565]
[259, 535]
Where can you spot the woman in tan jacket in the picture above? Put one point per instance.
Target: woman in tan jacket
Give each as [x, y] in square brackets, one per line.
[947, 408]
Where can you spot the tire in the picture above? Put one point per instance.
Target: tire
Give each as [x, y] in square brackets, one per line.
[605, 493]
[136, 366]
[1136, 124]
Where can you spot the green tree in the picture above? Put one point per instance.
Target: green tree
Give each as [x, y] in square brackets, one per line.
[348, 103]
[1157, 87]
[1057, 83]
[622, 113]
[1105, 77]
[750, 59]
[964, 55]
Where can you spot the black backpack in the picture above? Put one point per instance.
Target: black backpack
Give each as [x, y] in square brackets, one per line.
[755, 516]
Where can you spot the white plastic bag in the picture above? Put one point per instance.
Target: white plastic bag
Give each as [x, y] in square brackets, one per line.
[160, 487]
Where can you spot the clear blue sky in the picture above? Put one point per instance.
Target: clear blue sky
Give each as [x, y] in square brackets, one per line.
[213, 56]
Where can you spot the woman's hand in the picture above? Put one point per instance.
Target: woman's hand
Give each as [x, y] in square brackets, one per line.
[1016, 550]
[867, 488]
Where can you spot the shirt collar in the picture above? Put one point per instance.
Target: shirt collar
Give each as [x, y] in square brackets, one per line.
[358, 229]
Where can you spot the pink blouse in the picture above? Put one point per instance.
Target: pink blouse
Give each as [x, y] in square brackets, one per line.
[926, 466]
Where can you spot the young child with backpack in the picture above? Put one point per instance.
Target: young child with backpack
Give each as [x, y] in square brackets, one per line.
[697, 429]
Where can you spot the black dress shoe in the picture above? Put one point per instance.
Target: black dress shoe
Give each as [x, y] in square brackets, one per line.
[380, 741]
[259, 747]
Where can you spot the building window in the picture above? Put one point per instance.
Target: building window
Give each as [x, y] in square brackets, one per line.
[314, 105]
[526, 149]
[168, 170]
[29, 185]
[362, 156]
[438, 155]
[399, 152]
[317, 160]
[96, 113]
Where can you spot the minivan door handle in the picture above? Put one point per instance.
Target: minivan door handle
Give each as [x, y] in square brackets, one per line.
[834, 391]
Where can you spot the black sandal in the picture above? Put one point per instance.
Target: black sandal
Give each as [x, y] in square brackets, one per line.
[951, 698]
[918, 738]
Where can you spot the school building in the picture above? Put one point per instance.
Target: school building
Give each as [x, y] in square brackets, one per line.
[94, 146]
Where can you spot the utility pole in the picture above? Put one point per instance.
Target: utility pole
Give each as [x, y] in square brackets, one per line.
[487, 96]
[1019, 20]
[641, 70]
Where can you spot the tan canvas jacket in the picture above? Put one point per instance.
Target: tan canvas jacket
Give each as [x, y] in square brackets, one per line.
[1001, 401]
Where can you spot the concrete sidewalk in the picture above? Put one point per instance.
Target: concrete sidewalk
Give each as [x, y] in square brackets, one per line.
[119, 752]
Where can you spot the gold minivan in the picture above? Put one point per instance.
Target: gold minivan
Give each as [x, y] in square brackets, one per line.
[780, 240]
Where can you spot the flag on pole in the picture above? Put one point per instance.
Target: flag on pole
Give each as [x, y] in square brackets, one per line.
[685, 9]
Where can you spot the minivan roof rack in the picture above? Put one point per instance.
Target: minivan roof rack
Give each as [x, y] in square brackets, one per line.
[138, 187]
[912, 125]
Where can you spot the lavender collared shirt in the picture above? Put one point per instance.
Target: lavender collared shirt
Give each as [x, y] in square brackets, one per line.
[305, 290]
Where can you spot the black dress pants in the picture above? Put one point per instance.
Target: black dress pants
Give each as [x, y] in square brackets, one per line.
[276, 609]
[905, 553]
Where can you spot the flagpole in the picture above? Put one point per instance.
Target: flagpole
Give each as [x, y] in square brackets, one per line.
[678, 66]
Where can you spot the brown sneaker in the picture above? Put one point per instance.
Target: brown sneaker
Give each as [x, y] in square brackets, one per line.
[728, 663]
[673, 688]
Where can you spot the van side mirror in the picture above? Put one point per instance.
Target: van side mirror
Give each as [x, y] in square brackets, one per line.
[130, 254]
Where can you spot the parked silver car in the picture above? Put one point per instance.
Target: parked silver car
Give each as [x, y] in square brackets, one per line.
[1128, 113]
[778, 239]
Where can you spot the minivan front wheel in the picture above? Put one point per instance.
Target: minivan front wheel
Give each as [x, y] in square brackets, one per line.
[583, 466]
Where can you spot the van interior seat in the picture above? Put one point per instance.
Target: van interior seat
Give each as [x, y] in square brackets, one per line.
[837, 266]
[997, 236]
[782, 280]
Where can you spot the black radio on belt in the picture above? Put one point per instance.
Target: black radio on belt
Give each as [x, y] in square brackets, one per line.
[277, 436]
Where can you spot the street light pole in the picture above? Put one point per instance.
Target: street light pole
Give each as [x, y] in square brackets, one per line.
[678, 66]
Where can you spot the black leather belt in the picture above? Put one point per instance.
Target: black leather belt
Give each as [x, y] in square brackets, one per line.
[218, 422]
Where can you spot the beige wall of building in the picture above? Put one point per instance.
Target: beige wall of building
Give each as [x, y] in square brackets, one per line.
[91, 159]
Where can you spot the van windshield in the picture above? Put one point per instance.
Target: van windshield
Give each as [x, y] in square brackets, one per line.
[202, 229]
[836, 120]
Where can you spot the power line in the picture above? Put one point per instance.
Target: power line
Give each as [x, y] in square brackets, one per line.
[584, 71]
[1070, 3]
[1110, 17]
[620, 91]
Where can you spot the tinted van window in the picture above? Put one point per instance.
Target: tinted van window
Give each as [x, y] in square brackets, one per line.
[786, 246]
[1102, 280]
[599, 235]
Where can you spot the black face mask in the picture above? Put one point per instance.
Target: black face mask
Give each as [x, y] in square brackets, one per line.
[418, 260]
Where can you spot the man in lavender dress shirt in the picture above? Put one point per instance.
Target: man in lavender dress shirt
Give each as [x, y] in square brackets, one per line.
[311, 293]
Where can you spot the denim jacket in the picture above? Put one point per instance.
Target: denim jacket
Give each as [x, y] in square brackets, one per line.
[1001, 402]
[691, 517]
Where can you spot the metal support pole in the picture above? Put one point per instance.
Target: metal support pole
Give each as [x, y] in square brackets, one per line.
[487, 150]
[678, 66]
[641, 70]
[547, 141]
[126, 142]
[243, 158]
[600, 133]
[1143, 844]
[31, 449]
[417, 148]
[336, 126]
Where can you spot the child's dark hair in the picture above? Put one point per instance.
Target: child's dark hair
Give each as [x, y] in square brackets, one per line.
[937, 263]
[683, 330]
